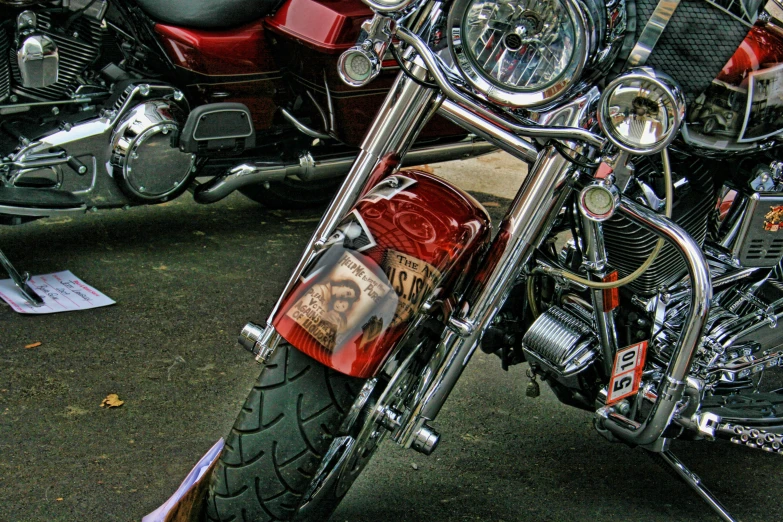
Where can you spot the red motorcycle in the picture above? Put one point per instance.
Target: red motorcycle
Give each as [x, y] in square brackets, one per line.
[110, 104]
[638, 271]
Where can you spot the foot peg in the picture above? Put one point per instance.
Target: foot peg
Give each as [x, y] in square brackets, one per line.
[21, 281]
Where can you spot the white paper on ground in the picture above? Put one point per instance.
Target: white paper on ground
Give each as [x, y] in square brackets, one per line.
[61, 292]
[159, 515]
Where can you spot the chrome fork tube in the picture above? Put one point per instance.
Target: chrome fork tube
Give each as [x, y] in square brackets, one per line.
[525, 225]
[404, 112]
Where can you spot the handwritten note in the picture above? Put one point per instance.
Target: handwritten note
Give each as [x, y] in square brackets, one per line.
[61, 292]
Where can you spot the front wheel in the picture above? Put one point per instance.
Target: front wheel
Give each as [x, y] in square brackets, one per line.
[282, 434]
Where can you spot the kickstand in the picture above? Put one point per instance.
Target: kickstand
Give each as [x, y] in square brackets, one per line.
[21, 281]
[695, 483]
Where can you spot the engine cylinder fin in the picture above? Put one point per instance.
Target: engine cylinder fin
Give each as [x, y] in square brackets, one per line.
[562, 340]
[627, 244]
[5, 73]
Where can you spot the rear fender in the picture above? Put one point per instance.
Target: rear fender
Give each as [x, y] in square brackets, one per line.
[411, 236]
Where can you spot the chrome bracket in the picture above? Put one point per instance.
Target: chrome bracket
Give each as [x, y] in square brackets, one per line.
[652, 32]
[21, 281]
[260, 341]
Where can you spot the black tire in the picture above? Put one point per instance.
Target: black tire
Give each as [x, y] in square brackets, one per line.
[287, 423]
[293, 193]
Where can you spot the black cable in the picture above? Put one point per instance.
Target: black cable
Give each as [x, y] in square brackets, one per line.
[402, 65]
[564, 151]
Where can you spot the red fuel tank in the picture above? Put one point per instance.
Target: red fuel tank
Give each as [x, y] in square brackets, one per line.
[411, 236]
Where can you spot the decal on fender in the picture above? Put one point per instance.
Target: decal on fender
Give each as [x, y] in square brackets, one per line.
[412, 280]
[346, 300]
[627, 372]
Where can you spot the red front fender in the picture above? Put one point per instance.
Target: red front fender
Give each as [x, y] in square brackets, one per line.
[409, 235]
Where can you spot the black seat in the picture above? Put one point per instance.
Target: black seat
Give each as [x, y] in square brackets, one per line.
[208, 14]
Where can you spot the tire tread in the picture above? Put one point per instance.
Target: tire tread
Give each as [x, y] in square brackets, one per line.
[281, 433]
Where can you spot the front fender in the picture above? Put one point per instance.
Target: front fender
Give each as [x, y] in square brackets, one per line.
[409, 236]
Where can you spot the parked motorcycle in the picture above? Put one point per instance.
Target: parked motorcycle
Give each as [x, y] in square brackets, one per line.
[637, 272]
[111, 104]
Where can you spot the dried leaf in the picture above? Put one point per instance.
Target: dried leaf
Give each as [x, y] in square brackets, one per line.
[112, 401]
[161, 267]
[33, 345]
[59, 499]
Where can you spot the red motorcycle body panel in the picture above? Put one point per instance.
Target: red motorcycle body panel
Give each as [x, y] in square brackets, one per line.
[328, 27]
[237, 51]
[305, 37]
[235, 65]
[421, 237]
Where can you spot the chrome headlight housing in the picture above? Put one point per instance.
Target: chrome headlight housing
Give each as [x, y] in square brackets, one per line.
[641, 110]
[519, 53]
[388, 6]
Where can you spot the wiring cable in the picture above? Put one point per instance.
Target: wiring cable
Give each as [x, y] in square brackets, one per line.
[667, 175]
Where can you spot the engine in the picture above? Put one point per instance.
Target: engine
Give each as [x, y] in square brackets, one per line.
[48, 58]
[739, 234]
[77, 118]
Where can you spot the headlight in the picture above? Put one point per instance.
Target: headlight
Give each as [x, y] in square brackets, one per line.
[641, 111]
[521, 53]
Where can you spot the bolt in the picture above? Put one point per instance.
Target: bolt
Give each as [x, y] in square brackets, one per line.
[144, 89]
[178, 96]
[82, 170]
[75, 34]
[141, 189]
[14, 98]
[55, 111]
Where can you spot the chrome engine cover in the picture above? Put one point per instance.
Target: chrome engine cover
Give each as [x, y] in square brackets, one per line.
[142, 120]
[38, 58]
[147, 165]
[562, 340]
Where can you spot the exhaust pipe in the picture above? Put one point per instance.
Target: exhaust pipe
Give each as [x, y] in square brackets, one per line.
[309, 168]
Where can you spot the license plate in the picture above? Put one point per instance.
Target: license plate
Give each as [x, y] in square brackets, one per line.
[627, 372]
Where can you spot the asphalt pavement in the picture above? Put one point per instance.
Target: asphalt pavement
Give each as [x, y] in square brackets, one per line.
[186, 278]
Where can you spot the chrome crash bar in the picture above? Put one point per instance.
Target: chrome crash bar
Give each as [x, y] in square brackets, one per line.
[671, 388]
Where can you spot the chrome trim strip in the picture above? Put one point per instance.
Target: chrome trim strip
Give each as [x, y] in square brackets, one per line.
[652, 32]
[41, 212]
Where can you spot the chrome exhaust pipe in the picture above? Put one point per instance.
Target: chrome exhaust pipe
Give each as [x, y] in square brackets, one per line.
[310, 168]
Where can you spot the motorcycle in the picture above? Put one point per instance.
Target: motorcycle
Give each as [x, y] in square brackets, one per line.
[113, 104]
[637, 271]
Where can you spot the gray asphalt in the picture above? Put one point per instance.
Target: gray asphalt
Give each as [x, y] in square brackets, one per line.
[186, 278]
